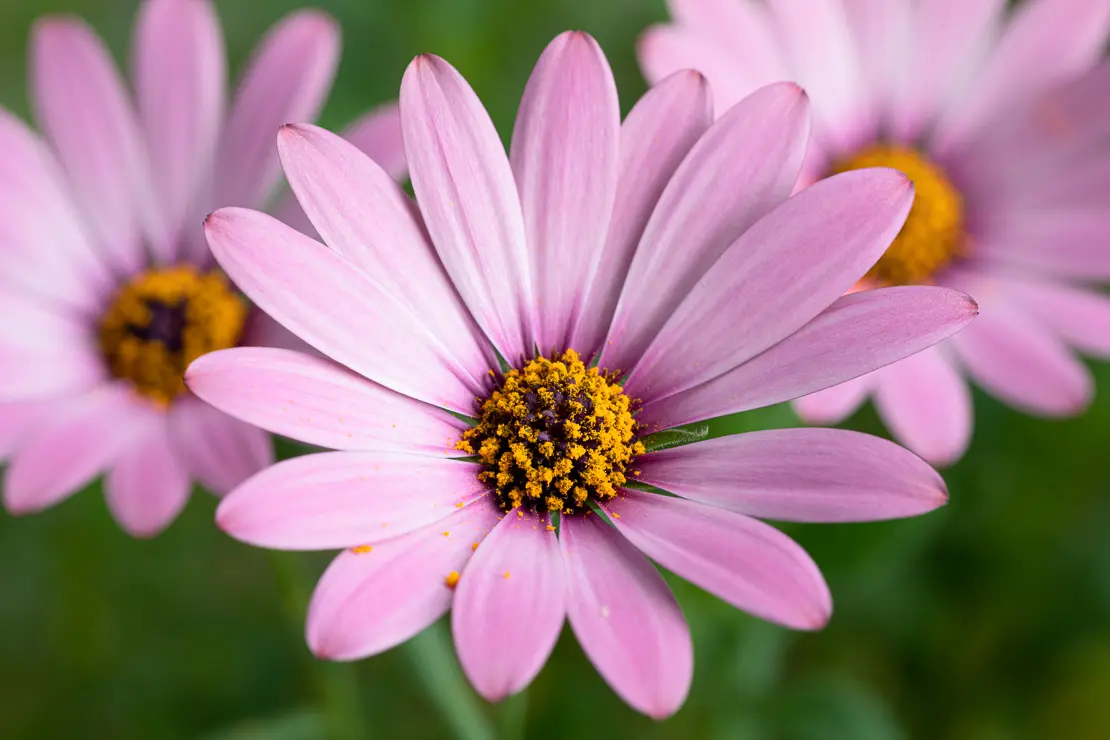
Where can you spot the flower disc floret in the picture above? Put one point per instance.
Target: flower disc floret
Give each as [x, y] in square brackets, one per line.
[555, 436]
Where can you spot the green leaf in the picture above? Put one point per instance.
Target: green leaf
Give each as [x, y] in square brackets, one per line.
[675, 437]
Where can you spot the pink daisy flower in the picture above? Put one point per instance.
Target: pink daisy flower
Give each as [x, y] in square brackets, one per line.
[667, 248]
[990, 114]
[107, 283]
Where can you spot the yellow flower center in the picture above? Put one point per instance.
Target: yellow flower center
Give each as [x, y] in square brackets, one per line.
[163, 320]
[934, 232]
[555, 436]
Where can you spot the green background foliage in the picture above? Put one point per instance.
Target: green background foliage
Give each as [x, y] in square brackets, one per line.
[988, 620]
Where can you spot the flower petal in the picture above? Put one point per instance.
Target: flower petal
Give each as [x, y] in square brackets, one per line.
[345, 499]
[565, 159]
[1079, 316]
[509, 605]
[71, 448]
[857, 334]
[19, 419]
[362, 214]
[371, 600]
[834, 404]
[801, 475]
[179, 70]
[287, 80]
[655, 137]
[148, 486]
[742, 168]
[219, 451]
[320, 403]
[926, 404]
[377, 134]
[741, 560]
[86, 112]
[626, 618]
[468, 197]
[744, 28]
[779, 275]
[664, 50]
[339, 309]
[1025, 365]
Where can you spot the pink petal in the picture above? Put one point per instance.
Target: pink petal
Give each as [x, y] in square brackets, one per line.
[219, 451]
[834, 405]
[926, 404]
[1054, 242]
[362, 214]
[468, 198]
[44, 351]
[19, 419]
[655, 137]
[823, 59]
[741, 560]
[147, 487]
[802, 475]
[626, 618]
[344, 499]
[565, 159]
[666, 50]
[857, 334]
[76, 444]
[339, 309]
[742, 168]
[261, 330]
[369, 601]
[378, 135]
[949, 39]
[1023, 364]
[179, 70]
[47, 253]
[776, 277]
[1047, 41]
[509, 606]
[287, 80]
[85, 110]
[883, 34]
[1079, 316]
[743, 28]
[319, 402]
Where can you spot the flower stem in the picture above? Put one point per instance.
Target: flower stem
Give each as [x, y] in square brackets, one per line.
[336, 682]
[435, 666]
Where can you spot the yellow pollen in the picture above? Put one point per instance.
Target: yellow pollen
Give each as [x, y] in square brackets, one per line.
[452, 579]
[361, 549]
[163, 320]
[555, 436]
[934, 232]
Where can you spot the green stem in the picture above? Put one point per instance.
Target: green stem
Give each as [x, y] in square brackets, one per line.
[434, 664]
[336, 682]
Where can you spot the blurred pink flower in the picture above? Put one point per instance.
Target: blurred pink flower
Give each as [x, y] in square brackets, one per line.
[1001, 119]
[667, 247]
[106, 283]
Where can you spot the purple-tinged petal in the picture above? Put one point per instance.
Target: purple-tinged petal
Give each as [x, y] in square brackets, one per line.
[319, 402]
[780, 274]
[626, 618]
[362, 214]
[743, 167]
[147, 486]
[857, 334]
[216, 449]
[1016, 359]
[261, 330]
[468, 197]
[375, 597]
[565, 159]
[926, 404]
[1060, 243]
[1079, 316]
[19, 419]
[86, 112]
[657, 135]
[664, 50]
[883, 34]
[743, 28]
[75, 445]
[800, 475]
[509, 605]
[377, 134]
[179, 69]
[345, 499]
[743, 561]
[347, 314]
[287, 80]
[835, 404]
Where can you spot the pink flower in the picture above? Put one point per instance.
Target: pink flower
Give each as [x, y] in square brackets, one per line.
[106, 283]
[1000, 119]
[666, 247]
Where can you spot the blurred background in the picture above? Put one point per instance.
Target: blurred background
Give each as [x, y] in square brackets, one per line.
[987, 620]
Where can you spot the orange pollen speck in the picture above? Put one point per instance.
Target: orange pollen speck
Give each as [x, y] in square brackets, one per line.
[452, 579]
[361, 549]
